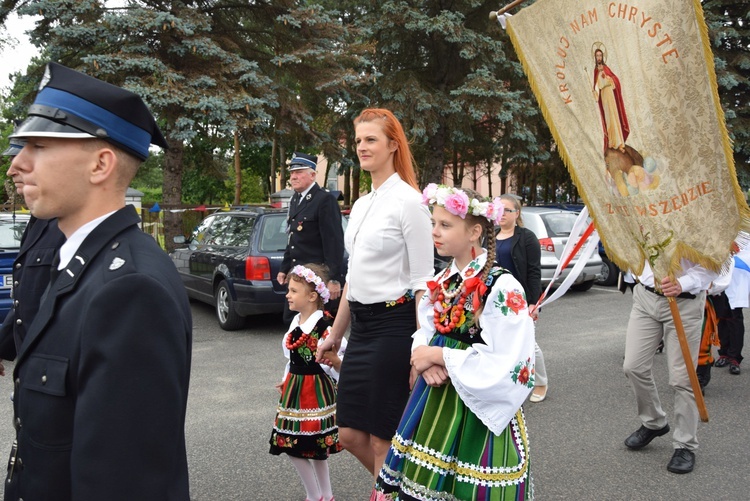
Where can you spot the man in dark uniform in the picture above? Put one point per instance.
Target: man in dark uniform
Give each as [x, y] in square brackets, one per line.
[315, 232]
[39, 245]
[101, 377]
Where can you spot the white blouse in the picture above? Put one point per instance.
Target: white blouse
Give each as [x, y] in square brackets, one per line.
[389, 240]
[492, 379]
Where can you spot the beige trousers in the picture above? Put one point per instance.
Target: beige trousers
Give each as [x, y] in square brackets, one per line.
[650, 320]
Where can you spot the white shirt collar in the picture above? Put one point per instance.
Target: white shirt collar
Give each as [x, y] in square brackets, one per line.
[309, 324]
[476, 264]
[302, 195]
[71, 245]
[389, 183]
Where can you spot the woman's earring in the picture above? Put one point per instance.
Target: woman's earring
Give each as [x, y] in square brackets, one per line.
[473, 253]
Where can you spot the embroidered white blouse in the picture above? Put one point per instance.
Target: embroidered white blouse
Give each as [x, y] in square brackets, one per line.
[492, 379]
[307, 327]
[389, 240]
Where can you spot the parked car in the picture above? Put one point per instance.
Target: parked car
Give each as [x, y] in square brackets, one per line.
[231, 261]
[609, 271]
[552, 227]
[12, 226]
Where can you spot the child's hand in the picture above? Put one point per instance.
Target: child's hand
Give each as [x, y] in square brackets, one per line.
[331, 359]
[413, 375]
[423, 357]
[436, 376]
[279, 387]
[328, 344]
[534, 312]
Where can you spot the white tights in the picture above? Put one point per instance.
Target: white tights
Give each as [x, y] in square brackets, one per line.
[315, 478]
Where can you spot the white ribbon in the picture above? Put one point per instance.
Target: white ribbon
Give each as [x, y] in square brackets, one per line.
[579, 227]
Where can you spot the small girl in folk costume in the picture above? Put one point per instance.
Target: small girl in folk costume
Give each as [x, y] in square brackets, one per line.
[305, 427]
[463, 434]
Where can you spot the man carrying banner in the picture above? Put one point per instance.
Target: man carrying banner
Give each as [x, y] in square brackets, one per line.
[650, 321]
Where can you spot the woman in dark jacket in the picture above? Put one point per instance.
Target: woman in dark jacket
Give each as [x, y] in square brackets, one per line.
[517, 250]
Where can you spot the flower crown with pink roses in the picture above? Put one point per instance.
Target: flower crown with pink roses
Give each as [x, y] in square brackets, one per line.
[312, 278]
[458, 203]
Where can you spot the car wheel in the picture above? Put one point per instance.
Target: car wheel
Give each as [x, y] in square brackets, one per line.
[583, 286]
[609, 273]
[228, 318]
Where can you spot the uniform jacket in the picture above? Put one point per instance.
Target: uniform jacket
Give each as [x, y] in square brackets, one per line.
[315, 234]
[39, 244]
[101, 379]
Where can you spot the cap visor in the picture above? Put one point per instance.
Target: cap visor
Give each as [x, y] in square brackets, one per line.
[35, 126]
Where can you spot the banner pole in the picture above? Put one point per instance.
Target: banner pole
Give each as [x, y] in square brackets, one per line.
[503, 10]
[699, 401]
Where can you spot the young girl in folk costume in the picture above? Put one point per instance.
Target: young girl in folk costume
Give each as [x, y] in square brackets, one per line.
[305, 427]
[463, 433]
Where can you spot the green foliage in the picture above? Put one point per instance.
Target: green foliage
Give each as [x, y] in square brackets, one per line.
[451, 77]
[253, 191]
[729, 29]
[150, 195]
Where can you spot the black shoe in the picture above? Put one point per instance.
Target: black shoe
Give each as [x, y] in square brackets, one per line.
[682, 461]
[722, 362]
[643, 436]
[704, 375]
[734, 368]
[660, 348]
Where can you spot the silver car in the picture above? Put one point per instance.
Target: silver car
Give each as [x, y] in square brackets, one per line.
[552, 227]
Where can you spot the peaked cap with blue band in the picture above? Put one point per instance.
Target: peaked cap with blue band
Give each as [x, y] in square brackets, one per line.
[71, 104]
[14, 148]
[302, 161]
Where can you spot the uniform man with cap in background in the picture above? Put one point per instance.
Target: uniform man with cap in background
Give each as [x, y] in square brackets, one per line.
[101, 377]
[315, 231]
[39, 245]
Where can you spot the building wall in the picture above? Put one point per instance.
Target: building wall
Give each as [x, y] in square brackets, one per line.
[481, 185]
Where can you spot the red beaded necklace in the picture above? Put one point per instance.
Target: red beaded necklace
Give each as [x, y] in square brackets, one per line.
[456, 310]
[299, 342]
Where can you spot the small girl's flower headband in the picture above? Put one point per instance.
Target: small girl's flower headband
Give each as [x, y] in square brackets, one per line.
[457, 202]
[312, 278]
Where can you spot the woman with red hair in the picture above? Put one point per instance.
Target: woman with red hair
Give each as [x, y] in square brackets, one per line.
[390, 261]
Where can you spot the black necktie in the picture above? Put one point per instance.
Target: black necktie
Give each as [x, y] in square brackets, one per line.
[53, 271]
[296, 200]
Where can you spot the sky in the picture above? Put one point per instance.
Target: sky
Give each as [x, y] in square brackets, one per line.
[19, 52]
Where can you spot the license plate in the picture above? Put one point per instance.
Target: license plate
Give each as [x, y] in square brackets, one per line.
[7, 282]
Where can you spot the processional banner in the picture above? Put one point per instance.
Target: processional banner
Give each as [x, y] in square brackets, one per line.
[629, 92]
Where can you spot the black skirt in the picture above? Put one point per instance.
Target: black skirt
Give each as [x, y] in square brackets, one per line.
[374, 379]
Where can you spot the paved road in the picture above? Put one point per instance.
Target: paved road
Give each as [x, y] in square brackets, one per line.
[576, 434]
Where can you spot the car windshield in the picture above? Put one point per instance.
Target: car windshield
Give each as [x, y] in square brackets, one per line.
[559, 224]
[11, 231]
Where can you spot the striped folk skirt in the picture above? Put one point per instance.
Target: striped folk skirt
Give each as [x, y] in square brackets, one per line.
[305, 424]
[442, 451]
